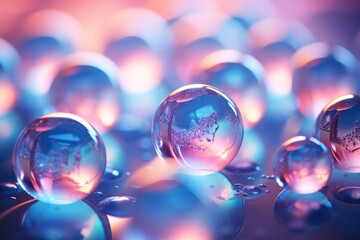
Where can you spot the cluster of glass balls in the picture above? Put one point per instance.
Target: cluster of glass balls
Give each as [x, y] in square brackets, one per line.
[60, 158]
[305, 164]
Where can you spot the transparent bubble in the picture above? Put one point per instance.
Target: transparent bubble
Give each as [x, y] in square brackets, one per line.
[346, 159]
[199, 127]
[302, 212]
[59, 158]
[323, 73]
[339, 126]
[303, 165]
[73, 221]
[86, 85]
[238, 75]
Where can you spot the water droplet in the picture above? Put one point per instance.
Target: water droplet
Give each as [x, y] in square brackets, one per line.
[8, 188]
[128, 173]
[263, 176]
[98, 194]
[253, 190]
[119, 206]
[250, 178]
[111, 174]
[238, 185]
[270, 176]
[262, 185]
[349, 195]
[11, 199]
[267, 191]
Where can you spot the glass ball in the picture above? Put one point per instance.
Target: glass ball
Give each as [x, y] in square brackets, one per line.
[322, 73]
[238, 75]
[86, 85]
[59, 158]
[303, 165]
[339, 127]
[199, 128]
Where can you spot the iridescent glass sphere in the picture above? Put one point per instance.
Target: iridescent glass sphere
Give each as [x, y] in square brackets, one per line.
[303, 165]
[59, 158]
[199, 127]
[338, 126]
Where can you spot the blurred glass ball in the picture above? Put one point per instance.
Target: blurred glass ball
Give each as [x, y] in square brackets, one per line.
[59, 158]
[321, 74]
[303, 165]
[86, 85]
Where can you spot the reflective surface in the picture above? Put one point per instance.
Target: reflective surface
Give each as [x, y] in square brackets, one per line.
[155, 47]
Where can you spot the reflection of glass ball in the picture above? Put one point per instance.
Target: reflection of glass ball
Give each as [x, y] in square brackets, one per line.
[345, 138]
[73, 221]
[59, 158]
[238, 75]
[303, 165]
[302, 212]
[86, 85]
[321, 74]
[199, 127]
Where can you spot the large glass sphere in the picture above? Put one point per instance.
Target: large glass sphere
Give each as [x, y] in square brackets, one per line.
[59, 158]
[199, 127]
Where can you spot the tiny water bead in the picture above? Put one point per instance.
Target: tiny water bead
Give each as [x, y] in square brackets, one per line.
[337, 126]
[238, 75]
[349, 194]
[303, 164]
[8, 188]
[199, 127]
[59, 158]
[119, 206]
[86, 85]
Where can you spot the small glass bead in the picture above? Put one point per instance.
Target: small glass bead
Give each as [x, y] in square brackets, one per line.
[303, 165]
